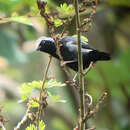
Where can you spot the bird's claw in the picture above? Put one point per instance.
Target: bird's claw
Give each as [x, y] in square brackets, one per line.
[62, 63]
[74, 79]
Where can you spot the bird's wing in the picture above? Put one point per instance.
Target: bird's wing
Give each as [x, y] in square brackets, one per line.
[71, 51]
[73, 41]
[73, 46]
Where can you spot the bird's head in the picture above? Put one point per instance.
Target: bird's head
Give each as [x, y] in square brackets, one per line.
[45, 44]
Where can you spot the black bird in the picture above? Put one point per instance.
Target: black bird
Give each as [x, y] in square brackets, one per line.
[68, 50]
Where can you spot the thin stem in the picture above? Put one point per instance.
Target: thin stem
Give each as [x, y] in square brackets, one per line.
[24, 119]
[80, 65]
[92, 112]
[89, 68]
[41, 92]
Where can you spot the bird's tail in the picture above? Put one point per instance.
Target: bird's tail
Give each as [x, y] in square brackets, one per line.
[99, 55]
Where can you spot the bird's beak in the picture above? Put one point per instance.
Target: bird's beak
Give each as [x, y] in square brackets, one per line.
[38, 48]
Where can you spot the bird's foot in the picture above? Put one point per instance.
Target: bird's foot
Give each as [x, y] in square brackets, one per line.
[74, 79]
[88, 69]
[62, 63]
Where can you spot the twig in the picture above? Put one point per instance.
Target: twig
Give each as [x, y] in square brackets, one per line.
[40, 108]
[62, 33]
[80, 65]
[89, 103]
[95, 110]
[89, 68]
[24, 119]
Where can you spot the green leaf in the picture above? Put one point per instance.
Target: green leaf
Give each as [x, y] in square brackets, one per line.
[53, 83]
[63, 6]
[34, 84]
[58, 22]
[31, 127]
[42, 125]
[47, 9]
[27, 88]
[83, 38]
[34, 103]
[55, 98]
[66, 9]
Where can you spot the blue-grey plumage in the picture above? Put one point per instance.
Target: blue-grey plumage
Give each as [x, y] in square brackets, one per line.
[68, 50]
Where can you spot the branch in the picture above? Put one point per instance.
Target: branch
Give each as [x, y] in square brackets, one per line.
[24, 119]
[89, 68]
[89, 114]
[43, 98]
[80, 68]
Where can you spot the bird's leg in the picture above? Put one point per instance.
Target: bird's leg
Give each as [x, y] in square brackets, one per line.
[66, 62]
[88, 69]
[74, 79]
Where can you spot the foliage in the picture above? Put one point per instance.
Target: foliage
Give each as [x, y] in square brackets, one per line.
[33, 127]
[27, 88]
[58, 22]
[66, 9]
[83, 38]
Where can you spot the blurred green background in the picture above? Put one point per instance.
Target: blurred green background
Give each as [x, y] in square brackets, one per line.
[21, 25]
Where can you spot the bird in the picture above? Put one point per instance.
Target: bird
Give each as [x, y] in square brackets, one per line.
[69, 51]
